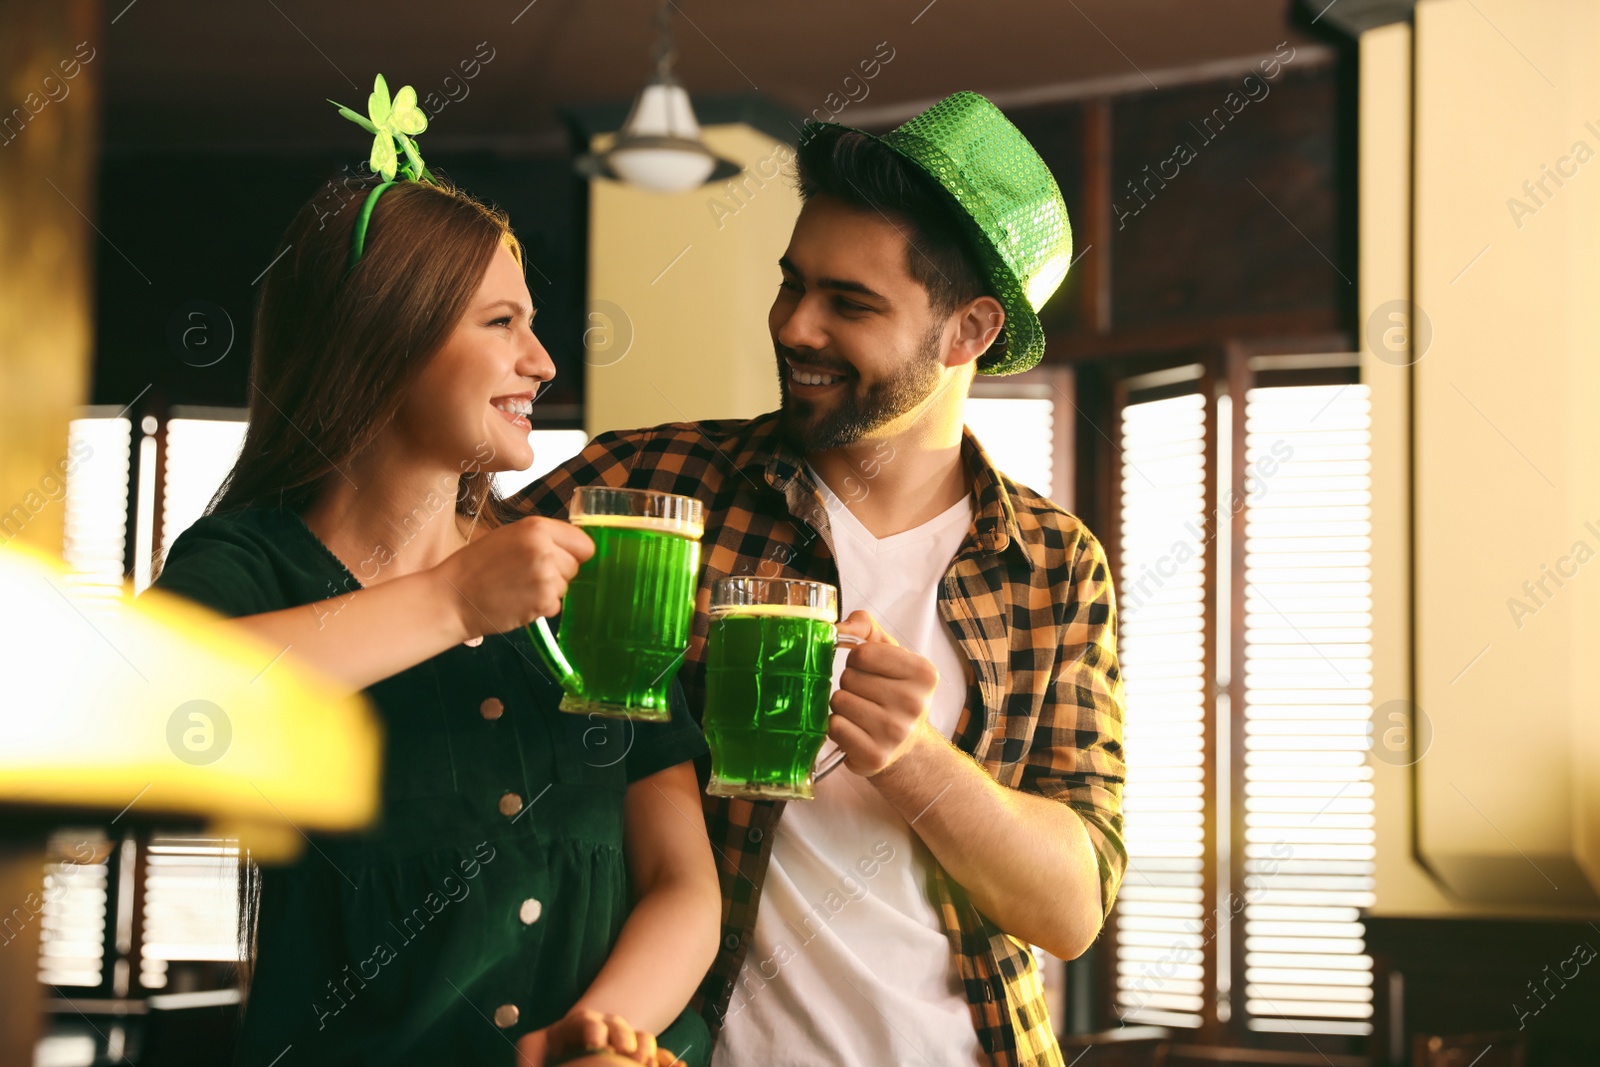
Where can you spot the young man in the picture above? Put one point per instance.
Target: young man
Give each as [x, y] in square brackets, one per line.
[888, 920]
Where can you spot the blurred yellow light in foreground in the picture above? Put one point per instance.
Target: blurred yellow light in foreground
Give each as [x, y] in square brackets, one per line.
[155, 708]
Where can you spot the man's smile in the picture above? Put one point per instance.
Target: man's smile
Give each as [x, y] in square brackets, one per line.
[810, 380]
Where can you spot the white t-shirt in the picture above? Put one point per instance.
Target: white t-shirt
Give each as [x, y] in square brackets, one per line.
[849, 963]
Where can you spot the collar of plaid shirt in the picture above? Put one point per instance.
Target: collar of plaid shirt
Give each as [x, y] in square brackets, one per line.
[1028, 598]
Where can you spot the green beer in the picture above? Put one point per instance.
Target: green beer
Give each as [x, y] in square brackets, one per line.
[626, 616]
[769, 675]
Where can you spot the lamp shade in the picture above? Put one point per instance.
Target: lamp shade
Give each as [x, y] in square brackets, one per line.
[659, 146]
[156, 706]
[663, 168]
[662, 109]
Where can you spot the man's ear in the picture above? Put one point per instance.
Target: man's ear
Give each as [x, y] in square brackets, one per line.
[977, 326]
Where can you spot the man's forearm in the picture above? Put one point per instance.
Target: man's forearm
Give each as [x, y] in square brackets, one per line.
[1024, 861]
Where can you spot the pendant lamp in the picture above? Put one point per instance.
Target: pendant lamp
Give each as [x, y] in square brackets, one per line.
[659, 146]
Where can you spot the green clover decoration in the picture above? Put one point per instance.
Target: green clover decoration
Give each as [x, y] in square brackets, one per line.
[392, 123]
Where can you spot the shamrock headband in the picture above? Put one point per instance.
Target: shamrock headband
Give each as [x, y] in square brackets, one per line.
[391, 123]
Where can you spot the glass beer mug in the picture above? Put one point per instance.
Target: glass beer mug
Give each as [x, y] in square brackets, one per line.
[626, 616]
[769, 679]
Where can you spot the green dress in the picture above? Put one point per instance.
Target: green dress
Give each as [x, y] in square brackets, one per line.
[485, 899]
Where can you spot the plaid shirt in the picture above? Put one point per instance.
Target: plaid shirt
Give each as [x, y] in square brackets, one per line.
[1028, 597]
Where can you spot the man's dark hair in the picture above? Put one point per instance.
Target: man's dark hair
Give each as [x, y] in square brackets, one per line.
[858, 170]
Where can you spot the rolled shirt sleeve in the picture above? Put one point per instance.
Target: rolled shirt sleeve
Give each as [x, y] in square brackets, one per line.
[1077, 756]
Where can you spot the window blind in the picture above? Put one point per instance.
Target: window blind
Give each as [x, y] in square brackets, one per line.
[1161, 601]
[1309, 838]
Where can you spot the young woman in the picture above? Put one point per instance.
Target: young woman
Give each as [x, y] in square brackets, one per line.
[538, 883]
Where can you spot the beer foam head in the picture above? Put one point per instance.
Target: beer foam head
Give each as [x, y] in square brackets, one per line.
[646, 510]
[691, 528]
[785, 611]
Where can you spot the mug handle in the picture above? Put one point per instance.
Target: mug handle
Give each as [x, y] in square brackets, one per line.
[833, 762]
[550, 651]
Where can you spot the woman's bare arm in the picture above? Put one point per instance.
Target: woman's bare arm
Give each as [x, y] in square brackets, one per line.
[670, 938]
[370, 634]
[506, 578]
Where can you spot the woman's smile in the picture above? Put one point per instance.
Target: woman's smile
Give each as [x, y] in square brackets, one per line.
[515, 408]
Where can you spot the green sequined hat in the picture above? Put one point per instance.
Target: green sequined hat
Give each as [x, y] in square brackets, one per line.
[1009, 203]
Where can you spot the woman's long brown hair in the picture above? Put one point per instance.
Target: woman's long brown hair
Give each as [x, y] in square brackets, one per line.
[334, 351]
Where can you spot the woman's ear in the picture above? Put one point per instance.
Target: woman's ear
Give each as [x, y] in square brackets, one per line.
[977, 326]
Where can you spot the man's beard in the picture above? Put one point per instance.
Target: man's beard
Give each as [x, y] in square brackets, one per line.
[858, 412]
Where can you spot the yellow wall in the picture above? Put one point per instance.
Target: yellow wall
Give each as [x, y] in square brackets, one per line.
[1384, 124]
[679, 289]
[1507, 438]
